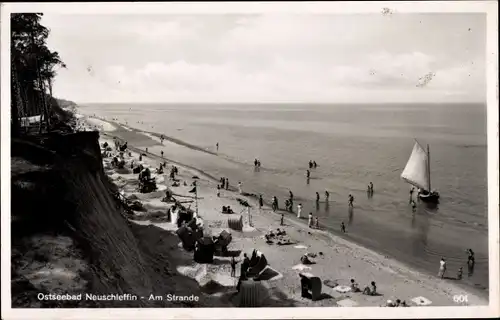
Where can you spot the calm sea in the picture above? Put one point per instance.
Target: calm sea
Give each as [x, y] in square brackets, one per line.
[353, 145]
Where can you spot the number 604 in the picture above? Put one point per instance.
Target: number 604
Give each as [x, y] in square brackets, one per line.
[460, 298]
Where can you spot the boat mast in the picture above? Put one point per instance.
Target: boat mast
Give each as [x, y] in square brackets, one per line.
[429, 167]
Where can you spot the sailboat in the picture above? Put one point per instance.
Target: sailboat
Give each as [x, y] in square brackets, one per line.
[418, 173]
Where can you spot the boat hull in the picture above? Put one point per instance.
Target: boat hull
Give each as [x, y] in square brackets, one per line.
[429, 197]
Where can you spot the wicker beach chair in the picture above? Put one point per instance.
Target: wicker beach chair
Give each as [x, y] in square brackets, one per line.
[235, 223]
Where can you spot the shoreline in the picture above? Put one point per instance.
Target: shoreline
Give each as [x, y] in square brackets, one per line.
[390, 263]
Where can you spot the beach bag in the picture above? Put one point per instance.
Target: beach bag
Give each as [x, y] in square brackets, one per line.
[235, 223]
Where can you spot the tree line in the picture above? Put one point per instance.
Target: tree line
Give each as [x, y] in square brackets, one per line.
[33, 69]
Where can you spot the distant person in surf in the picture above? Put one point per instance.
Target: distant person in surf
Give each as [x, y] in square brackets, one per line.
[218, 190]
[146, 149]
[316, 222]
[258, 163]
[299, 210]
[471, 261]
[460, 273]
[442, 268]
[223, 182]
[240, 190]
[317, 196]
[351, 201]
[162, 153]
[315, 165]
[327, 195]
[161, 139]
[227, 184]
[310, 220]
[413, 206]
[310, 164]
[308, 174]
[342, 227]
[412, 189]
[217, 146]
[261, 202]
[370, 187]
[290, 195]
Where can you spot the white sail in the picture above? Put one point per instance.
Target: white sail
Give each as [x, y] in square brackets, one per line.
[416, 170]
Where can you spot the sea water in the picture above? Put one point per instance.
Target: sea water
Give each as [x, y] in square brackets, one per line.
[353, 145]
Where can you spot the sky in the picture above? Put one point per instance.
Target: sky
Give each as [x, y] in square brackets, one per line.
[328, 58]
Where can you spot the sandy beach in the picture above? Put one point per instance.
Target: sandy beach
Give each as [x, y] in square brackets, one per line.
[336, 260]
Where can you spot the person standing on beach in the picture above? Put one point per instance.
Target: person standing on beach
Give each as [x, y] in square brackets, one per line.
[218, 190]
[299, 210]
[310, 223]
[317, 196]
[412, 189]
[351, 200]
[275, 203]
[227, 184]
[442, 268]
[261, 202]
[240, 190]
[413, 206]
[316, 222]
[233, 267]
[217, 146]
[290, 195]
[282, 221]
[223, 182]
[342, 227]
[327, 195]
[162, 153]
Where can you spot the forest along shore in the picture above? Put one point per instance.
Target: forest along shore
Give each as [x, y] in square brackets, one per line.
[336, 260]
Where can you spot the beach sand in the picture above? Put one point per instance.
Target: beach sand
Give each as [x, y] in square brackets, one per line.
[339, 262]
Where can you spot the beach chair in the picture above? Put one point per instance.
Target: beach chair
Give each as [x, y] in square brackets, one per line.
[310, 286]
[204, 251]
[251, 294]
[187, 237]
[235, 223]
[257, 264]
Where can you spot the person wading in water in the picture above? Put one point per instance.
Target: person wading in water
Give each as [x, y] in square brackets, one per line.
[342, 227]
[351, 200]
[327, 195]
[317, 196]
[261, 202]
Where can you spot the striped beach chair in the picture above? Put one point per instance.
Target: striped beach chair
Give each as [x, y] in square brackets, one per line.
[235, 222]
[252, 294]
